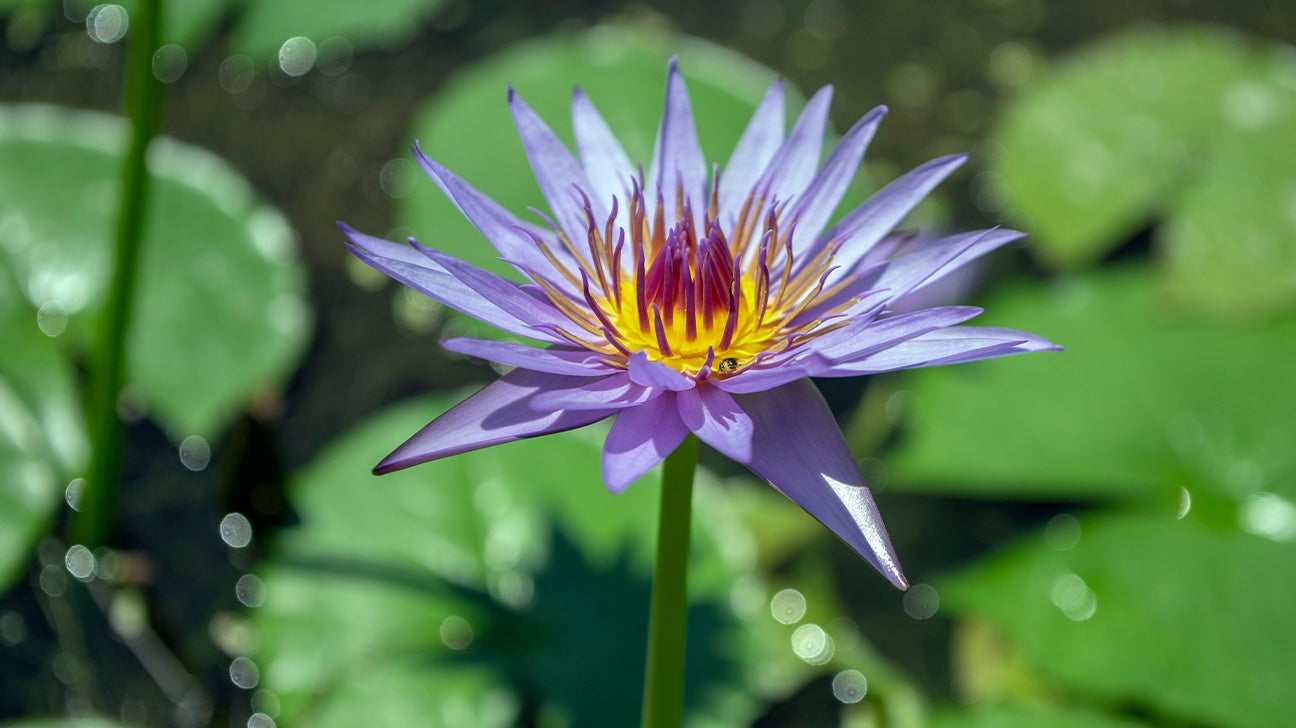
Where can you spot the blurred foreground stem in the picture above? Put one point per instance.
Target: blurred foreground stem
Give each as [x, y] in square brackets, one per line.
[664, 676]
[92, 524]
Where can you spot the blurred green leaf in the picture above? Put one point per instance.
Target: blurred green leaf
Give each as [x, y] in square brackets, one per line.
[264, 26]
[1023, 715]
[42, 438]
[1165, 614]
[1141, 403]
[1190, 125]
[188, 23]
[220, 314]
[548, 568]
[621, 68]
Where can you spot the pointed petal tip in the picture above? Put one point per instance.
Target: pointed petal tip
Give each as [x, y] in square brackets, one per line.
[672, 66]
[511, 93]
[897, 580]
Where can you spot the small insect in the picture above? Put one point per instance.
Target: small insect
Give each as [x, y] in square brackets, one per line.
[728, 366]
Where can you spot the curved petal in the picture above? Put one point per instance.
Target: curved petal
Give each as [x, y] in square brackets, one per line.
[755, 148]
[656, 374]
[436, 282]
[505, 232]
[864, 226]
[924, 265]
[714, 416]
[556, 171]
[677, 156]
[498, 413]
[794, 165]
[606, 165]
[612, 392]
[817, 203]
[798, 448]
[945, 346]
[569, 362]
[853, 342]
[640, 438]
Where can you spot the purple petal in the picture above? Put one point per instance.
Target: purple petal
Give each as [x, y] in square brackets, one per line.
[569, 362]
[924, 265]
[435, 281]
[825, 191]
[556, 171]
[758, 379]
[519, 301]
[606, 165]
[945, 346]
[798, 448]
[640, 438]
[504, 231]
[755, 148]
[866, 224]
[853, 342]
[656, 374]
[498, 413]
[794, 165]
[714, 416]
[611, 392]
[677, 156]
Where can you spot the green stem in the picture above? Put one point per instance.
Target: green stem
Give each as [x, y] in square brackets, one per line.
[664, 676]
[93, 524]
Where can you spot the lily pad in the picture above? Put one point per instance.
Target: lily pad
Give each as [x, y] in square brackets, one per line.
[263, 27]
[1026, 714]
[1185, 126]
[220, 313]
[1172, 616]
[42, 437]
[621, 69]
[1141, 404]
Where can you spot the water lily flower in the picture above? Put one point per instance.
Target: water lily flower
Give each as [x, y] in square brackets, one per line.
[698, 299]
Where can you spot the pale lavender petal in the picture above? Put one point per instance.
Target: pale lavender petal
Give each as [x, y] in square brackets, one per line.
[571, 362]
[501, 228]
[656, 374]
[945, 346]
[556, 171]
[759, 379]
[498, 413]
[864, 226]
[798, 448]
[677, 156]
[519, 301]
[714, 416]
[755, 149]
[921, 266]
[794, 165]
[435, 281]
[606, 165]
[611, 392]
[640, 438]
[817, 203]
[852, 342]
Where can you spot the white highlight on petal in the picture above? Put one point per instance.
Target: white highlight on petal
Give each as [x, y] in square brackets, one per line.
[857, 501]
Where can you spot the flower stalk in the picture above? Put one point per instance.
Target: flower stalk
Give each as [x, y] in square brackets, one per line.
[668, 615]
[92, 523]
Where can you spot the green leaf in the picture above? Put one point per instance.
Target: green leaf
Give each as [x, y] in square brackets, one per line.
[468, 128]
[220, 313]
[1186, 125]
[1020, 715]
[264, 26]
[1186, 620]
[189, 23]
[42, 437]
[1141, 403]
